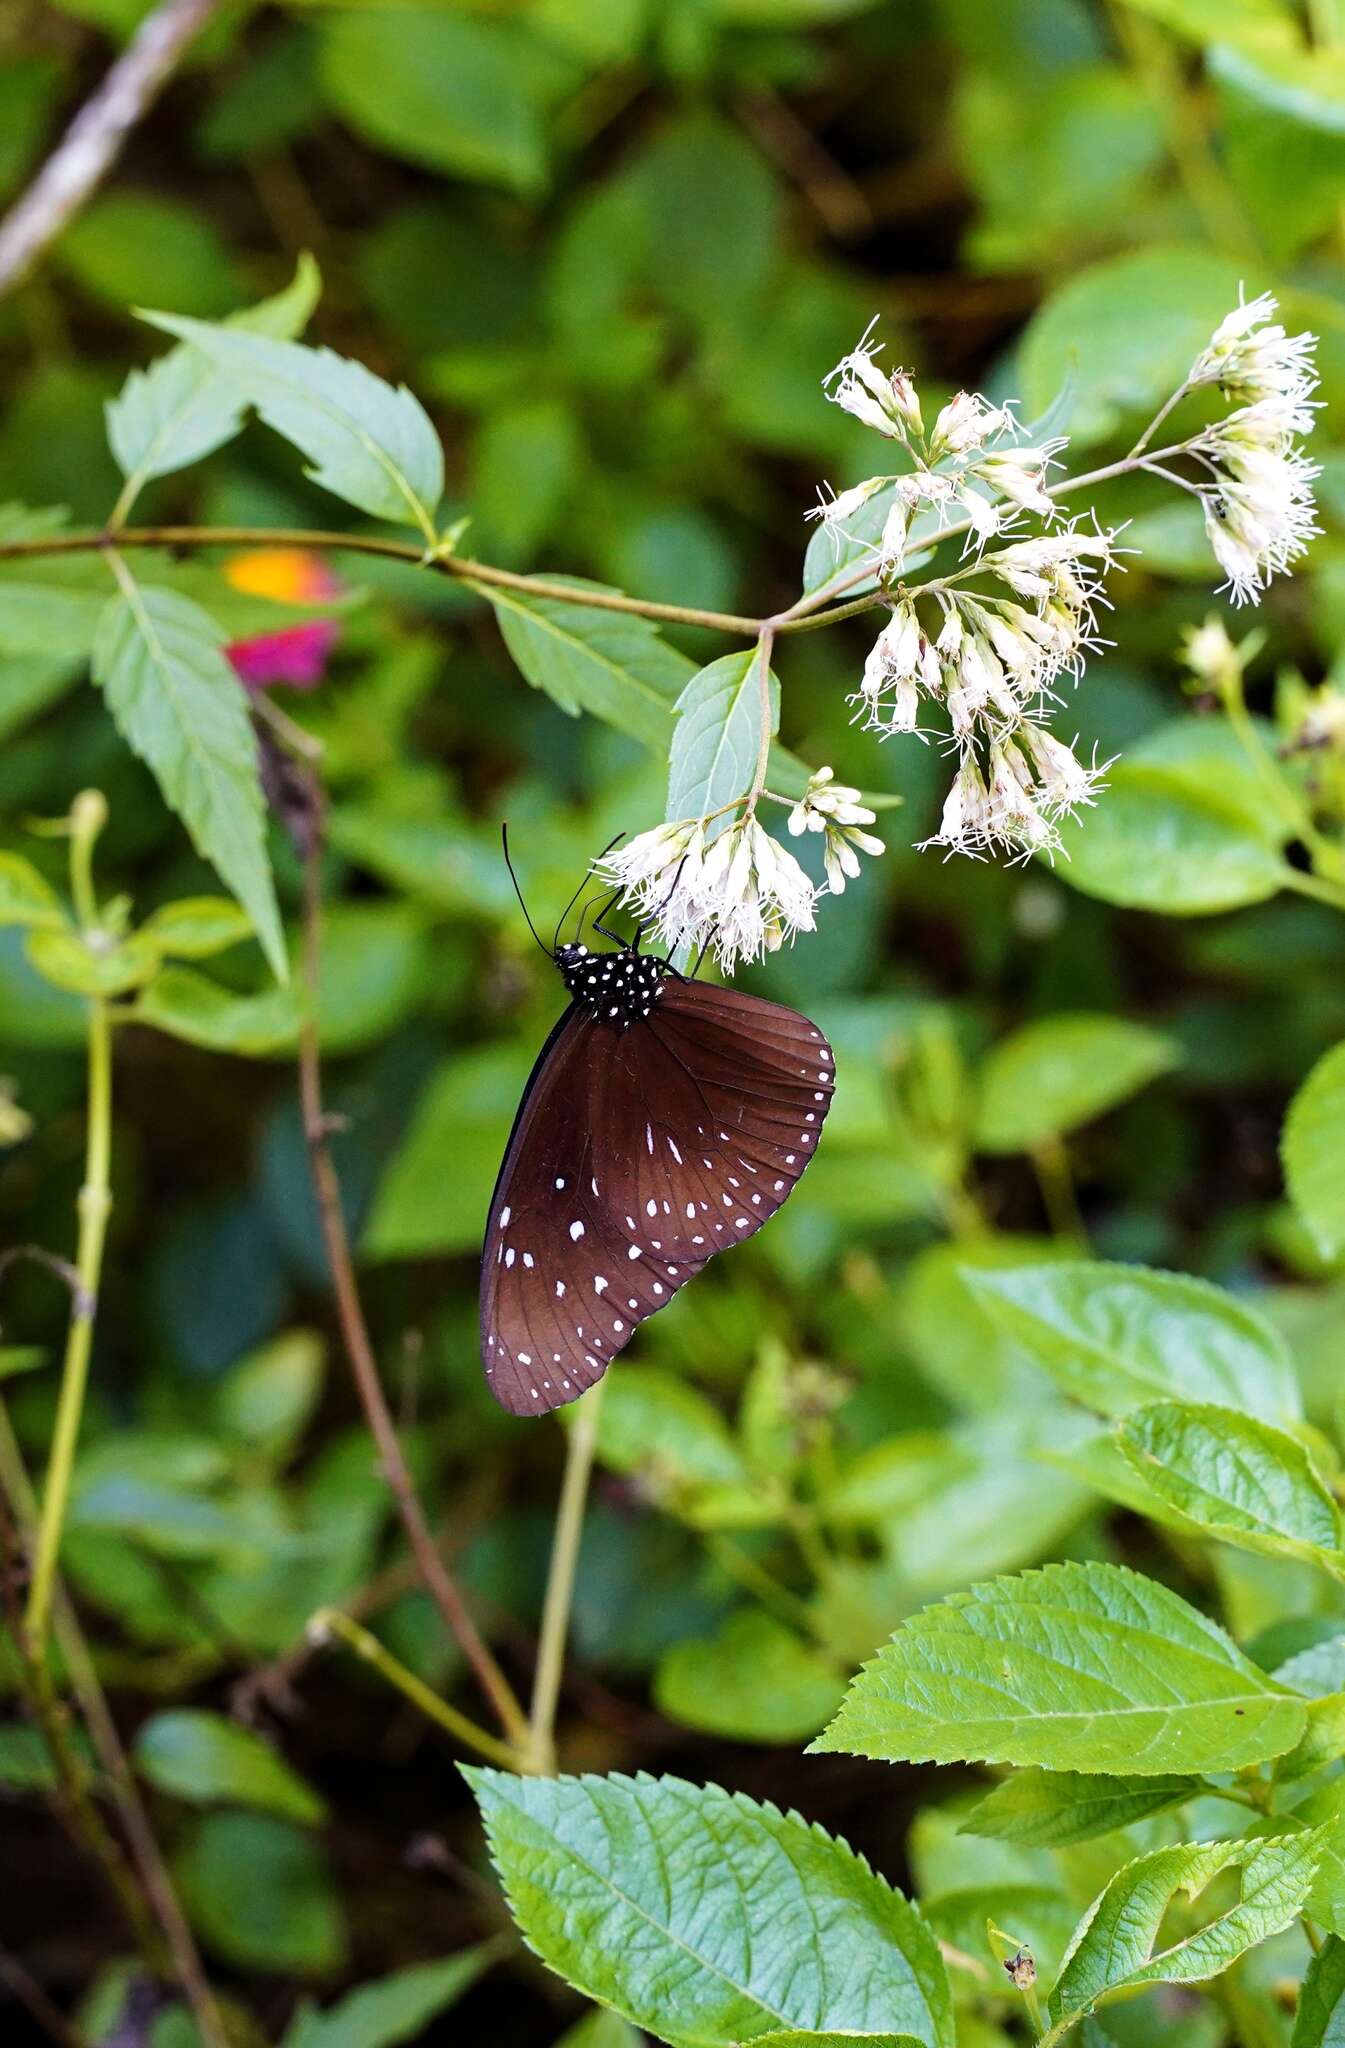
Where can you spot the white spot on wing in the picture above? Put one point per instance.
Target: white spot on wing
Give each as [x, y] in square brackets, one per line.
[576, 1230]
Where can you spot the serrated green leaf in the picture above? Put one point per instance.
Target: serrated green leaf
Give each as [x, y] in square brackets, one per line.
[1234, 1476]
[717, 738]
[611, 664]
[1049, 1809]
[189, 1006]
[1313, 1149]
[26, 898]
[1118, 1336]
[1059, 1072]
[754, 1680]
[364, 441]
[208, 1760]
[196, 927]
[396, 2008]
[160, 662]
[1320, 2020]
[664, 1899]
[1113, 1951]
[182, 407]
[832, 2039]
[85, 967]
[1087, 1667]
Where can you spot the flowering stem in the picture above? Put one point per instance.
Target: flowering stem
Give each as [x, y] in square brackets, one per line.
[582, 1442]
[1050, 1162]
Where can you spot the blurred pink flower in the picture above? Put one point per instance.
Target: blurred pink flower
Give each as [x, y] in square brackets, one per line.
[295, 656]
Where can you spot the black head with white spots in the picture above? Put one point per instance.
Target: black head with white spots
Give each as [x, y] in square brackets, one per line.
[619, 989]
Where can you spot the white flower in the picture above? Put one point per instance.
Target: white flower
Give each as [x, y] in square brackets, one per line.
[843, 505]
[835, 809]
[1208, 652]
[1065, 783]
[966, 423]
[1250, 357]
[896, 665]
[1019, 474]
[886, 402]
[1259, 522]
[742, 893]
[965, 824]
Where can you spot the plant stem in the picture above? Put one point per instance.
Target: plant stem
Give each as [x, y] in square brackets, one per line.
[1050, 1162]
[581, 1442]
[765, 709]
[439, 1580]
[458, 566]
[805, 615]
[332, 1621]
[95, 1206]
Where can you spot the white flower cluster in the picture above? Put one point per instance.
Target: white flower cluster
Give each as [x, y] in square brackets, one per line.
[833, 808]
[958, 468]
[740, 892]
[991, 664]
[1258, 506]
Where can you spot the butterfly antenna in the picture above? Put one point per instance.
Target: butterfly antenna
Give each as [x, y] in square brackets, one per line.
[504, 840]
[583, 879]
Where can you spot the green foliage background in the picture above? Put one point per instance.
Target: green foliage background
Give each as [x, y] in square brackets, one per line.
[613, 245]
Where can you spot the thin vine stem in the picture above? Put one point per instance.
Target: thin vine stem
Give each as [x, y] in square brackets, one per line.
[581, 1443]
[439, 1581]
[95, 1206]
[334, 1621]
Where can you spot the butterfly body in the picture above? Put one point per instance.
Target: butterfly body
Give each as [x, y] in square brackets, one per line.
[664, 1120]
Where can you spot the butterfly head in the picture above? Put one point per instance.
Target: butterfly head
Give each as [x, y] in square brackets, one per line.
[620, 989]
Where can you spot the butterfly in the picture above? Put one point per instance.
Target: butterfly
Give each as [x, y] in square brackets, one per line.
[665, 1119]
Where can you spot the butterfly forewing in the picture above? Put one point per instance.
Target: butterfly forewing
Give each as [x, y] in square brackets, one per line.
[637, 1155]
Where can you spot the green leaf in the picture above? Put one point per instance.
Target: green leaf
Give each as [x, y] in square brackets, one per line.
[1122, 334]
[160, 662]
[1113, 1951]
[796, 2038]
[31, 683]
[464, 1112]
[196, 927]
[669, 1432]
[1320, 2021]
[1087, 1667]
[1050, 1809]
[1062, 1071]
[662, 1898]
[717, 737]
[1313, 1149]
[1118, 1336]
[396, 2008]
[210, 1761]
[365, 441]
[601, 2028]
[189, 1006]
[16, 1358]
[182, 407]
[1154, 843]
[754, 1680]
[260, 1893]
[26, 898]
[608, 663]
[266, 1400]
[439, 88]
[85, 967]
[1234, 1476]
[1258, 23]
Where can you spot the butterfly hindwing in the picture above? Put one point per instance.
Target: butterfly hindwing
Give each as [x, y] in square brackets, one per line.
[639, 1153]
